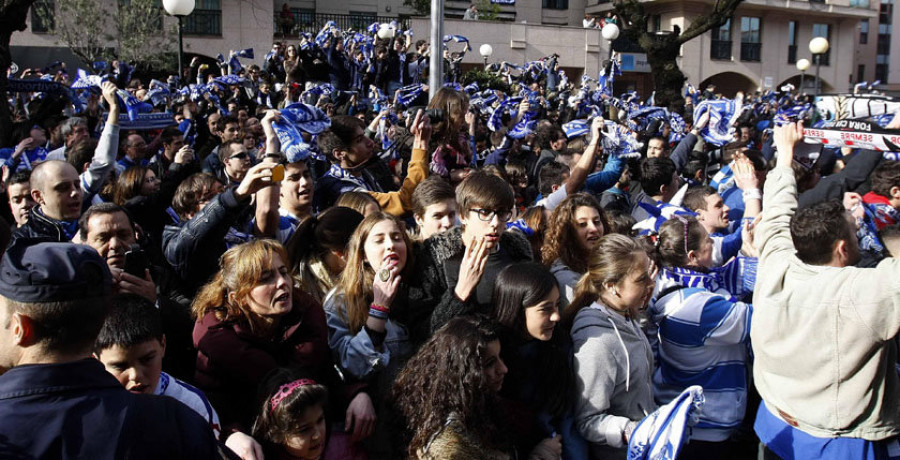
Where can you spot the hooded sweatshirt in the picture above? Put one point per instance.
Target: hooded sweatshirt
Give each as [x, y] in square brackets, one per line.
[613, 369]
[567, 279]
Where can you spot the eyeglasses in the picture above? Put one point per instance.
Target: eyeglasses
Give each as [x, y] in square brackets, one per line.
[486, 215]
[239, 156]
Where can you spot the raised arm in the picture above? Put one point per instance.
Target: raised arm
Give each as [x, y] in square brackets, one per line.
[773, 234]
[267, 198]
[400, 202]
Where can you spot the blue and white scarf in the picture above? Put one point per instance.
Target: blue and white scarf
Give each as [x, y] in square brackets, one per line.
[295, 118]
[660, 435]
[733, 280]
[407, 94]
[723, 114]
[618, 141]
[339, 173]
[458, 39]
[576, 128]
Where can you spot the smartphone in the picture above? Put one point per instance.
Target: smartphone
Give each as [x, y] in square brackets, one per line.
[136, 262]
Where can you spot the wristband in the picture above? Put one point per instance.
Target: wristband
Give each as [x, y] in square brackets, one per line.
[273, 155]
[377, 314]
[752, 194]
[380, 308]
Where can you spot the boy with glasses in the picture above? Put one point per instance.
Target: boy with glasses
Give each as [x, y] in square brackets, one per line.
[459, 266]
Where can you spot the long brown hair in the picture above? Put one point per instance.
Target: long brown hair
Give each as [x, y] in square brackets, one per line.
[561, 238]
[446, 377]
[356, 280]
[609, 263]
[448, 131]
[241, 268]
[129, 184]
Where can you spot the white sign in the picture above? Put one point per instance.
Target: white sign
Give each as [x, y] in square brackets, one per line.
[635, 62]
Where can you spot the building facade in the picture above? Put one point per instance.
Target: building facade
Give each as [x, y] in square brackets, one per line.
[757, 50]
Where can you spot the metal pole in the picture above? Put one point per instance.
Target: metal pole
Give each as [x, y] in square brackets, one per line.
[818, 65]
[180, 52]
[800, 92]
[436, 63]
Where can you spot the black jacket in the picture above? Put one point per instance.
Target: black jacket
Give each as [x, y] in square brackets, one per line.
[434, 281]
[193, 248]
[40, 226]
[78, 410]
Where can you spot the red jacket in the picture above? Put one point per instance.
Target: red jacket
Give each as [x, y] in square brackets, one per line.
[232, 362]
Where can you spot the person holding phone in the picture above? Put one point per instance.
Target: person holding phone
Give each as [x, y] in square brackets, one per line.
[107, 228]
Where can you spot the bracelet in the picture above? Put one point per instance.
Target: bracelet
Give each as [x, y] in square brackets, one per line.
[381, 308]
[752, 194]
[377, 314]
[273, 155]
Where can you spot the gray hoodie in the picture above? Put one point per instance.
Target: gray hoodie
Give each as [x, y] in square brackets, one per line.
[566, 278]
[613, 366]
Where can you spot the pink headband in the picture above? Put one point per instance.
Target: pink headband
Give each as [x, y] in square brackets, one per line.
[285, 390]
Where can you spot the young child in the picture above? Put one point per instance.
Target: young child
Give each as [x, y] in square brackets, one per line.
[291, 423]
[131, 345]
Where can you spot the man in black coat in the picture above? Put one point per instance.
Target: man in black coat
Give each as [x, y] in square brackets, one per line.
[56, 400]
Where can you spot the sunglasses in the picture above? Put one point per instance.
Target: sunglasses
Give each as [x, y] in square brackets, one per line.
[239, 156]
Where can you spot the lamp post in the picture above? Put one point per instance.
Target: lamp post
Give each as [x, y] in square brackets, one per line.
[486, 51]
[818, 46]
[610, 32]
[802, 66]
[179, 9]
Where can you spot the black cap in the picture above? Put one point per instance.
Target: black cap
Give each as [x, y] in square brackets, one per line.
[33, 271]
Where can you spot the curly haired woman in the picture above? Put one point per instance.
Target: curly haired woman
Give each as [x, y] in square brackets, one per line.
[573, 232]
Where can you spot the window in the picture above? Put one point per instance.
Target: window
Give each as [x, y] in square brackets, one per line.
[884, 44]
[205, 20]
[556, 4]
[863, 31]
[43, 16]
[860, 3]
[721, 42]
[881, 72]
[823, 30]
[792, 42]
[885, 12]
[750, 39]
[656, 23]
[861, 73]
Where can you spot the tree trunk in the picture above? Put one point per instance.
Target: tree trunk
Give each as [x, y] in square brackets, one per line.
[12, 19]
[667, 76]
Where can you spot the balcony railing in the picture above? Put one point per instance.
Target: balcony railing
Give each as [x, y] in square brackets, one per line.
[307, 21]
[750, 51]
[720, 49]
[204, 22]
[792, 54]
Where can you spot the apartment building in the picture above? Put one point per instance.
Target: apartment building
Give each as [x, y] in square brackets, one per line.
[756, 50]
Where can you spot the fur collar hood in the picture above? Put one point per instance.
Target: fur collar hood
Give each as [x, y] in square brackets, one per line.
[450, 244]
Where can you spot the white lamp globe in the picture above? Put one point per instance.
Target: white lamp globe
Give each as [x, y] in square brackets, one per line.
[803, 65]
[818, 45]
[486, 50]
[178, 7]
[610, 31]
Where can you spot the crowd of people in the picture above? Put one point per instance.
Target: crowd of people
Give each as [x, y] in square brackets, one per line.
[312, 259]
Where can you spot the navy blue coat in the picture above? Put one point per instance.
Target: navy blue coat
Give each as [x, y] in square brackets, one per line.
[78, 410]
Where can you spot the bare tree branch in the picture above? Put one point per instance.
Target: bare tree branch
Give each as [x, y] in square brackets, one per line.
[721, 13]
